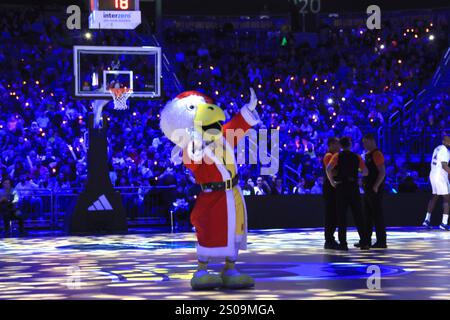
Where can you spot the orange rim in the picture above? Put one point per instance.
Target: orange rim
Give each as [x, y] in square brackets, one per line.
[118, 92]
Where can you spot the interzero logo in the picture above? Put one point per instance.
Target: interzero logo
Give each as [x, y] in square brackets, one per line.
[109, 15]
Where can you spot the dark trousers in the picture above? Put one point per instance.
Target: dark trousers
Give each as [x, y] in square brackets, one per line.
[373, 208]
[329, 195]
[6, 222]
[348, 196]
[9, 213]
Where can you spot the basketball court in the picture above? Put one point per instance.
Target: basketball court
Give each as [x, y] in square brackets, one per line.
[286, 264]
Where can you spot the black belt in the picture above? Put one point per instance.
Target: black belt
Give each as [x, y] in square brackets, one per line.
[223, 185]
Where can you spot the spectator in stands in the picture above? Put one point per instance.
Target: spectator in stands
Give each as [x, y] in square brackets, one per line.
[31, 201]
[9, 211]
[352, 131]
[300, 187]
[248, 188]
[262, 187]
[318, 186]
[278, 187]
[306, 92]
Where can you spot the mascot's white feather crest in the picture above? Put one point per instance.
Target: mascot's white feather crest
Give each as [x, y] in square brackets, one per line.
[177, 119]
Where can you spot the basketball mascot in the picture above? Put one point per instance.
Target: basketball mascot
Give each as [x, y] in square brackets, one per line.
[196, 126]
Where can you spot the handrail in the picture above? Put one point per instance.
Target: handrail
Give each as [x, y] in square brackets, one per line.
[287, 177]
[381, 136]
[444, 61]
[168, 65]
[165, 60]
[292, 180]
[429, 87]
[52, 207]
[290, 169]
[76, 190]
[410, 105]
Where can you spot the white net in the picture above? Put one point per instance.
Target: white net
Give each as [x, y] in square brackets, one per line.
[120, 97]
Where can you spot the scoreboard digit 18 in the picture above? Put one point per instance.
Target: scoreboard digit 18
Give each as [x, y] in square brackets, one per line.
[119, 5]
[114, 14]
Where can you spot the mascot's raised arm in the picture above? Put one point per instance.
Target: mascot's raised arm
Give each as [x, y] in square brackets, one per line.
[195, 124]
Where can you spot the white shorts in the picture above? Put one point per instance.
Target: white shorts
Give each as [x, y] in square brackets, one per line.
[440, 185]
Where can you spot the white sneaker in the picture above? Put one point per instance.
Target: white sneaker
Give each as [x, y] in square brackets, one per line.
[427, 224]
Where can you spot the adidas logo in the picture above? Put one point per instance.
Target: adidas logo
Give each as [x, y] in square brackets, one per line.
[101, 204]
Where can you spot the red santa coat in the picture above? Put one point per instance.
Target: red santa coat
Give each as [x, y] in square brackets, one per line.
[214, 213]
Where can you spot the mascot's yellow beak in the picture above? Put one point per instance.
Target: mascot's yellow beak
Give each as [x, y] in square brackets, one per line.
[208, 121]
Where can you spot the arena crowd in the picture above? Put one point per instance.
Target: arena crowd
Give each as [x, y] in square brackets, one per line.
[346, 85]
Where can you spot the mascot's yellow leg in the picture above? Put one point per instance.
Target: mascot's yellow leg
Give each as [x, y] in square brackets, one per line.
[229, 278]
[203, 280]
[233, 279]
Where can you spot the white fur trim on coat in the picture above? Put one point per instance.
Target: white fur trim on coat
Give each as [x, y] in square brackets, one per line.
[230, 249]
[194, 151]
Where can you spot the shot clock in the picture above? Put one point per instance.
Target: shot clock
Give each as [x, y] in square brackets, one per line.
[119, 5]
[114, 14]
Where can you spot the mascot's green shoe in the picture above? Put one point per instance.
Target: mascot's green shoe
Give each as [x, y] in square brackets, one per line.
[202, 280]
[232, 279]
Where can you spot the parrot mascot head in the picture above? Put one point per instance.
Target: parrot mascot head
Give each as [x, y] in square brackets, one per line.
[191, 115]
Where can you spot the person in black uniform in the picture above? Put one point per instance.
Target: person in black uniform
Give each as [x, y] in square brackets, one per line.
[373, 185]
[347, 192]
[329, 196]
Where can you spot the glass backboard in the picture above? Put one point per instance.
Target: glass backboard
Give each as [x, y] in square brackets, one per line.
[97, 68]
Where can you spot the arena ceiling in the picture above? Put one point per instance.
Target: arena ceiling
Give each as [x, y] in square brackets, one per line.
[252, 7]
[196, 7]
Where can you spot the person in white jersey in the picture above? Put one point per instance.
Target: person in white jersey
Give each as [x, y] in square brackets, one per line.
[439, 182]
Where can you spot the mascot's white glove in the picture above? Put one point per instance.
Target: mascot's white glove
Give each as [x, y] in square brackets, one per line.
[248, 110]
[251, 105]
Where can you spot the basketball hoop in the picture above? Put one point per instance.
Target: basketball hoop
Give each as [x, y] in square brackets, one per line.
[120, 97]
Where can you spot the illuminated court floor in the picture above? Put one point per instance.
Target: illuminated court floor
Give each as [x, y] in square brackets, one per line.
[287, 264]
